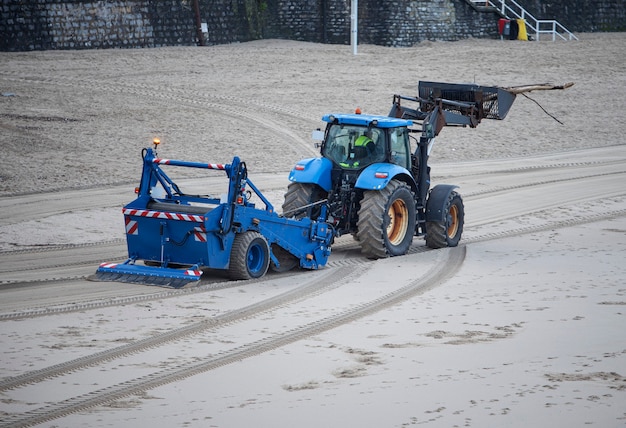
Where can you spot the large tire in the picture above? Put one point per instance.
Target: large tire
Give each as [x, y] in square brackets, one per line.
[249, 256]
[303, 195]
[386, 221]
[440, 234]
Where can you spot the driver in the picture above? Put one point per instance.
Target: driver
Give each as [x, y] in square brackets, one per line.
[364, 149]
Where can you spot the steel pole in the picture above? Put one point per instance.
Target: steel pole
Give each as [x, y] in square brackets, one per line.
[354, 25]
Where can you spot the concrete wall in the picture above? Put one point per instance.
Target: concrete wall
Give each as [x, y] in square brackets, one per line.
[89, 24]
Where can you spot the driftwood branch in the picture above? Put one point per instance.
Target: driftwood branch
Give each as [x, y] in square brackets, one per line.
[537, 87]
[515, 90]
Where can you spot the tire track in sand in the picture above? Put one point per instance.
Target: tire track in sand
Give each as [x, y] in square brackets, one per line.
[451, 260]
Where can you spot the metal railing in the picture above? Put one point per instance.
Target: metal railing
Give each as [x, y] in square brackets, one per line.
[512, 9]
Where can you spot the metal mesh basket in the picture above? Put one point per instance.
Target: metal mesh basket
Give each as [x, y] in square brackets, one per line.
[491, 102]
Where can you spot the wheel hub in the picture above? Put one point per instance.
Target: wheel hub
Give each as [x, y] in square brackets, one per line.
[398, 222]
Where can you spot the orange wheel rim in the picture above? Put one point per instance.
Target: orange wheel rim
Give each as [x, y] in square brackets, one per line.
[398, 222]
[453, 227]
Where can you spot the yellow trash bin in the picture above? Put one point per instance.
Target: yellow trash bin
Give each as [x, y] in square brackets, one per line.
[521, 31]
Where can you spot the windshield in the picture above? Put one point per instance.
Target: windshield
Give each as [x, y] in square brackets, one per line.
[353, 146]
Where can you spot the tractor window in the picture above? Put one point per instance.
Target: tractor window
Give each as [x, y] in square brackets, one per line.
[353, 146]
[400, 147]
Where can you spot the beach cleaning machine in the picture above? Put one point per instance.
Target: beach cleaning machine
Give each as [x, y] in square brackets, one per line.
[172, 235]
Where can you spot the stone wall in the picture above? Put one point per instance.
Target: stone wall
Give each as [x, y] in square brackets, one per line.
[231, 21]
[322, 21]
[59, 24]
[387, 23]
[88, 24]
[405, 23]
[581, 15]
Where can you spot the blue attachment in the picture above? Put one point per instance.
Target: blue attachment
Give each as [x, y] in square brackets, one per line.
[306, 239]
[179, 229]
[378, 175]
[163, 276]
[313, 170]
[366, 120]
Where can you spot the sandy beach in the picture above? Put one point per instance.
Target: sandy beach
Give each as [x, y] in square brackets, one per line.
[520, 325]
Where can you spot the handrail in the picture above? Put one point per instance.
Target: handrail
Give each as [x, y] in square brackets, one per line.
[537, 26]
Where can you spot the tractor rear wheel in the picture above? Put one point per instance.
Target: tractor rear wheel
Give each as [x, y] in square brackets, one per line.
[249, 256]
[299, 198]
[447, 233]
[386, 222]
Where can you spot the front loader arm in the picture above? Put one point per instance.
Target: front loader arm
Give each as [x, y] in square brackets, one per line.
[462, 104]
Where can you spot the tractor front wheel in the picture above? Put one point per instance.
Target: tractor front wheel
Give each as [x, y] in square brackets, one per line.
[249, 256]
[447, 233]
[386, 222]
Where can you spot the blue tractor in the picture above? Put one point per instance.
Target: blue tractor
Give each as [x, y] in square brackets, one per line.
[373, 178]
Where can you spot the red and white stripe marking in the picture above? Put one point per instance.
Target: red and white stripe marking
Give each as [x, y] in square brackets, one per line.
[163, 215]
[219, 166]
[199, 233]
[131, 226]
[193, 272]
[108, 265]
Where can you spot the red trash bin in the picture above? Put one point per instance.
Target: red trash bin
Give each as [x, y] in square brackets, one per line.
[503, 28]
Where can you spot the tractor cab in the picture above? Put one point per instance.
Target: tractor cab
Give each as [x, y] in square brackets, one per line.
[355, 141]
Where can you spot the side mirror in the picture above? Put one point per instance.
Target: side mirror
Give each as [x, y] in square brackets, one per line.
[318, 137]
